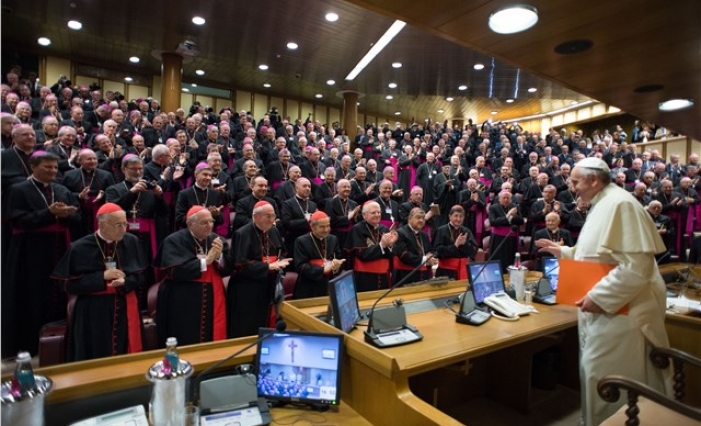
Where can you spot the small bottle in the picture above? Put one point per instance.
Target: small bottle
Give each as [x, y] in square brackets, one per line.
[517, 261]
[23, 379]
[171, 360]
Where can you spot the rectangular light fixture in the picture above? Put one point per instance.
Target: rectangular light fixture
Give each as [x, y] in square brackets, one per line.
[376, 49]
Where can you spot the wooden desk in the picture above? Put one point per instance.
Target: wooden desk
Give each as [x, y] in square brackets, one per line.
[377, 383]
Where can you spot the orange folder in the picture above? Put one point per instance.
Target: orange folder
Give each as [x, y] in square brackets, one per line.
[577, 277]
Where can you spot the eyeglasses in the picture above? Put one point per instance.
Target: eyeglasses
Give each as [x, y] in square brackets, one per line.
[268, 215]
[205, 222]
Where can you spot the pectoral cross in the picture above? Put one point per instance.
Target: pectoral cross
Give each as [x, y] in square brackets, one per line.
[133, 211]
[292, 347]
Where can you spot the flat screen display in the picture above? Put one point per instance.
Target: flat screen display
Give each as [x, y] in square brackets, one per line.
[300, 367]
[344, 302]
[551, 270]
[485, 279]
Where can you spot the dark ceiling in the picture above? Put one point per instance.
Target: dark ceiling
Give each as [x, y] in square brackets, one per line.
[635, 43]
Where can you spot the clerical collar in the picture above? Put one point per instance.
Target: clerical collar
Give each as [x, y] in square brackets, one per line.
[199, 187]
[414, 230]
[99, 234]
[43, 184]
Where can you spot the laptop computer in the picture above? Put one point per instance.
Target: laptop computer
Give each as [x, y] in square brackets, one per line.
[547, 286]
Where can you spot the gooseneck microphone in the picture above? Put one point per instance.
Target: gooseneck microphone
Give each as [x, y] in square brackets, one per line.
[388, 327]
[280, 326]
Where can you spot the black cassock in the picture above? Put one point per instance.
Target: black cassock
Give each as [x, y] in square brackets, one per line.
[501, 225]
[78, 179]
[363, 244]
[338, 210]
[409, 251]
[191, 303]
[444, 247]
[102, 320]
[309, 255]
[39, 241]
[251, 291]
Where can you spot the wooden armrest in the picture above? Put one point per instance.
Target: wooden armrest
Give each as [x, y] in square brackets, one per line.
[609, 390]
[660, 358]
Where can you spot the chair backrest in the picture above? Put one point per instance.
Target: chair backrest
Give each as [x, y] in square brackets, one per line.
[288, 283]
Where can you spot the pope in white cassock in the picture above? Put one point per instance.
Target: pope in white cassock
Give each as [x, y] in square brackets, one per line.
[617, 231]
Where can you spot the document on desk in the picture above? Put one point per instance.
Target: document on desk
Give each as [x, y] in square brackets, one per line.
[577, 277]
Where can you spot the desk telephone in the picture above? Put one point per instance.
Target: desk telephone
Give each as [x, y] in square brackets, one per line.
[503, 304]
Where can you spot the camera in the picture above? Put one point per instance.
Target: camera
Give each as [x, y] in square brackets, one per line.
[151, 184]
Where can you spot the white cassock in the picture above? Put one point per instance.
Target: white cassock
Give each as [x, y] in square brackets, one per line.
[619, 231]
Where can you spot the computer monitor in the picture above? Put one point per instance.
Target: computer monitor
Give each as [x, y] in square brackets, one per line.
[551, 270]
[300, 367]
[485, 279]
[345, 313]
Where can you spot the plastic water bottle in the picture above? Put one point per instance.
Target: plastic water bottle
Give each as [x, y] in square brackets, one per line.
[23, 379]
[171, 360]
[517, 260]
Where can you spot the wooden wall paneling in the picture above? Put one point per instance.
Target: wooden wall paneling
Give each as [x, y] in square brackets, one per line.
[56, 67]
[135, 92]
[186, 100]
[243, 100]
[260, 106]
[115, 86]
[304, 111]
[292, 110]
[334, 116]
[205, 101]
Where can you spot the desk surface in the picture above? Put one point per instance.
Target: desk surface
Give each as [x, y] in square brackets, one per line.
[341, 416]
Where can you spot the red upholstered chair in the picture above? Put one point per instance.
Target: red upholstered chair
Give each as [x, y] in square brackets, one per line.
[288, 283]
[53, 338]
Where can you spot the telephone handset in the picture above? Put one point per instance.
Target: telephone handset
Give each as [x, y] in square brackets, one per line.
[502, 303]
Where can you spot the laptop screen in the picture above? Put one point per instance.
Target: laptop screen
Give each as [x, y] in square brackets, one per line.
[551, 270]
[487, 281]
[344, 302]
[300, 366]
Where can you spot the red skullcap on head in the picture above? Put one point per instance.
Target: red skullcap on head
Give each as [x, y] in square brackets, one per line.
[108, 208]
[318, 215]
[261, 204]
[195, 209]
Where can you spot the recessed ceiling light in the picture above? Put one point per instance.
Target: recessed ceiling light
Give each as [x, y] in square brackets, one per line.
[330, 82]
[478, 67]
[318, 96]
[513, 19]
[134, 59]
[292, 45]
[194, 85]
[509, 101]
[44, 41]
[389, 97]
[199, 72]
[331, 17]
[532, 90]
[675, 104]
[449, 99]
[185, 89]
[267, 85]
[494, 113]
[396, 64]
[198, 20]
[357, 103]
[392, 85]
[263, 67]
[440, 111]
[75, 25]
[128, 79]
[462, 87]
[398, 113]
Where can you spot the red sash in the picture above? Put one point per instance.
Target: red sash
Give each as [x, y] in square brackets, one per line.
[458, 264]
[319, 263]
[133, 318]
[53, 228]
[379, 266]
[146, 226]
[404, 267]
[219, 326]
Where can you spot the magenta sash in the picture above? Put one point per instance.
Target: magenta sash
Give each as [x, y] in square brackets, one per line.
[412, 180]
[479, 222]
[317, 180]
[276, 184]
[168, 198]
[503, 231]
[223, 229]
[677, 218]
[395, 165]
[55, 228]
[145, 226]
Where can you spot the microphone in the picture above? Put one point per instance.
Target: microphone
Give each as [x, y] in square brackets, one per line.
[388, 327]
[280, 326]
[667, 254]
